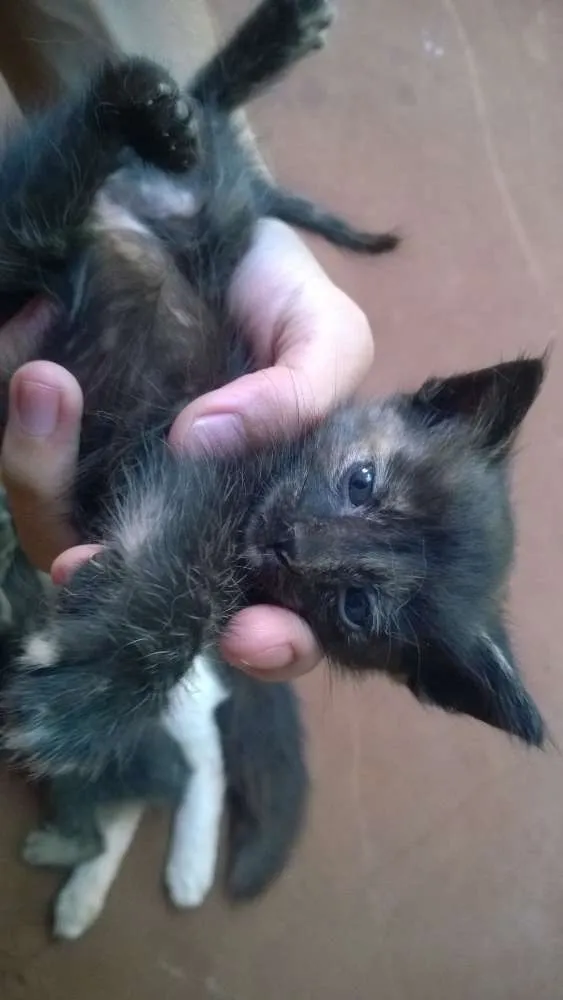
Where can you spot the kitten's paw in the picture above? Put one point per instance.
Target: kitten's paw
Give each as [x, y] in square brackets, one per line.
[172, 137]
[159, 123]
[77, 908]
[188, 884]
[309, 21]
[36, 850]
[45, 848]
[48, 848]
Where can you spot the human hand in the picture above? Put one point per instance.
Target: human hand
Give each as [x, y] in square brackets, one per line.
[313, 345]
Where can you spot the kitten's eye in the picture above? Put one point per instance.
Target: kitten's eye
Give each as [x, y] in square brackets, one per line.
[356, 607]
[360, 484]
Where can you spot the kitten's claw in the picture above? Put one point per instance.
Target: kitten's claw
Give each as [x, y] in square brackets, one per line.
[164, 89]
[175, 132]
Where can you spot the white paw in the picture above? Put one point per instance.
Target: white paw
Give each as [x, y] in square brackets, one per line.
[187, 884]
[315, 19]
[77, 908]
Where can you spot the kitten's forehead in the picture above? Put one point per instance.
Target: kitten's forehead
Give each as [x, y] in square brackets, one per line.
[376, 430]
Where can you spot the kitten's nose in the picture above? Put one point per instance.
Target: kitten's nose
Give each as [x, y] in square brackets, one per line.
[283, 546]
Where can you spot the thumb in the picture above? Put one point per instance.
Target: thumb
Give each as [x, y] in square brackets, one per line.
[322, 346]
[253, 409]
[39, 455]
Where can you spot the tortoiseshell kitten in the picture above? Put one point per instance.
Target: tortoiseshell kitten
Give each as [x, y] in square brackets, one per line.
[387, 526]
[139, 261]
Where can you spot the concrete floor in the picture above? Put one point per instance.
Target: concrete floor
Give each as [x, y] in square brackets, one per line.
[432, 866]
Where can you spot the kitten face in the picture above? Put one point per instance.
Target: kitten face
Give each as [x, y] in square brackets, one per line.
[385, 512]
[393, 537]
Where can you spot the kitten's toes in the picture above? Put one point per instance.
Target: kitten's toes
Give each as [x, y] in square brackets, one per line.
[158, 122]
[77, 908]
[188, 885]
[311, 21]
[174, 144]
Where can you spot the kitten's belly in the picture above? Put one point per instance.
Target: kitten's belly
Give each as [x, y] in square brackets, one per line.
[128, 302]
[122, 213]
[125, 206]
[133, 197]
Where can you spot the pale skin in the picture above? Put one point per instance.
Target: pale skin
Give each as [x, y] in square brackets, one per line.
[315, 346]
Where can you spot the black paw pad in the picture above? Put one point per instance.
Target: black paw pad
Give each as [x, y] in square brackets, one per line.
[151, 114]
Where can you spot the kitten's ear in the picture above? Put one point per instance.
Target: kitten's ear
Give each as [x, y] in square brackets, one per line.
[480, 680]
[495, 400]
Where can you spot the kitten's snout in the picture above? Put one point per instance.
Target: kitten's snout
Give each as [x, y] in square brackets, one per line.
[283, 545]
[300, 546]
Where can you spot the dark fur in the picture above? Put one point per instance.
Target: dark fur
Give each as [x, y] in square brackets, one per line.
[267, 780]
[132, 119]
[429, 549]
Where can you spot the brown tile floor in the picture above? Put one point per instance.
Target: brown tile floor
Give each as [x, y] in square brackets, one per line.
[432, 864]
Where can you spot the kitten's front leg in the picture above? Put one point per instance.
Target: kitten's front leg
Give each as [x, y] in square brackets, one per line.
[191, 721]
[50, 174]
[192, 860]
[276, 35]
[82, 899]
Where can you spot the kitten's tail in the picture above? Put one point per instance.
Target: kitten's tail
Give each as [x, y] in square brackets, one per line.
[304, 214]
[267, 778]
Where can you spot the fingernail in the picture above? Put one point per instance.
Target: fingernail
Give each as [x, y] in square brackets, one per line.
[218, 431]
[274, 658]
[37, 408]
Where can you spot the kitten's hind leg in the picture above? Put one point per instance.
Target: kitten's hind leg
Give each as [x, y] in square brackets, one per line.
[49, 847]
[304, 214]
[72, 834]
[82, 899]
[50, 173]
[276, 35]
[151, 114]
